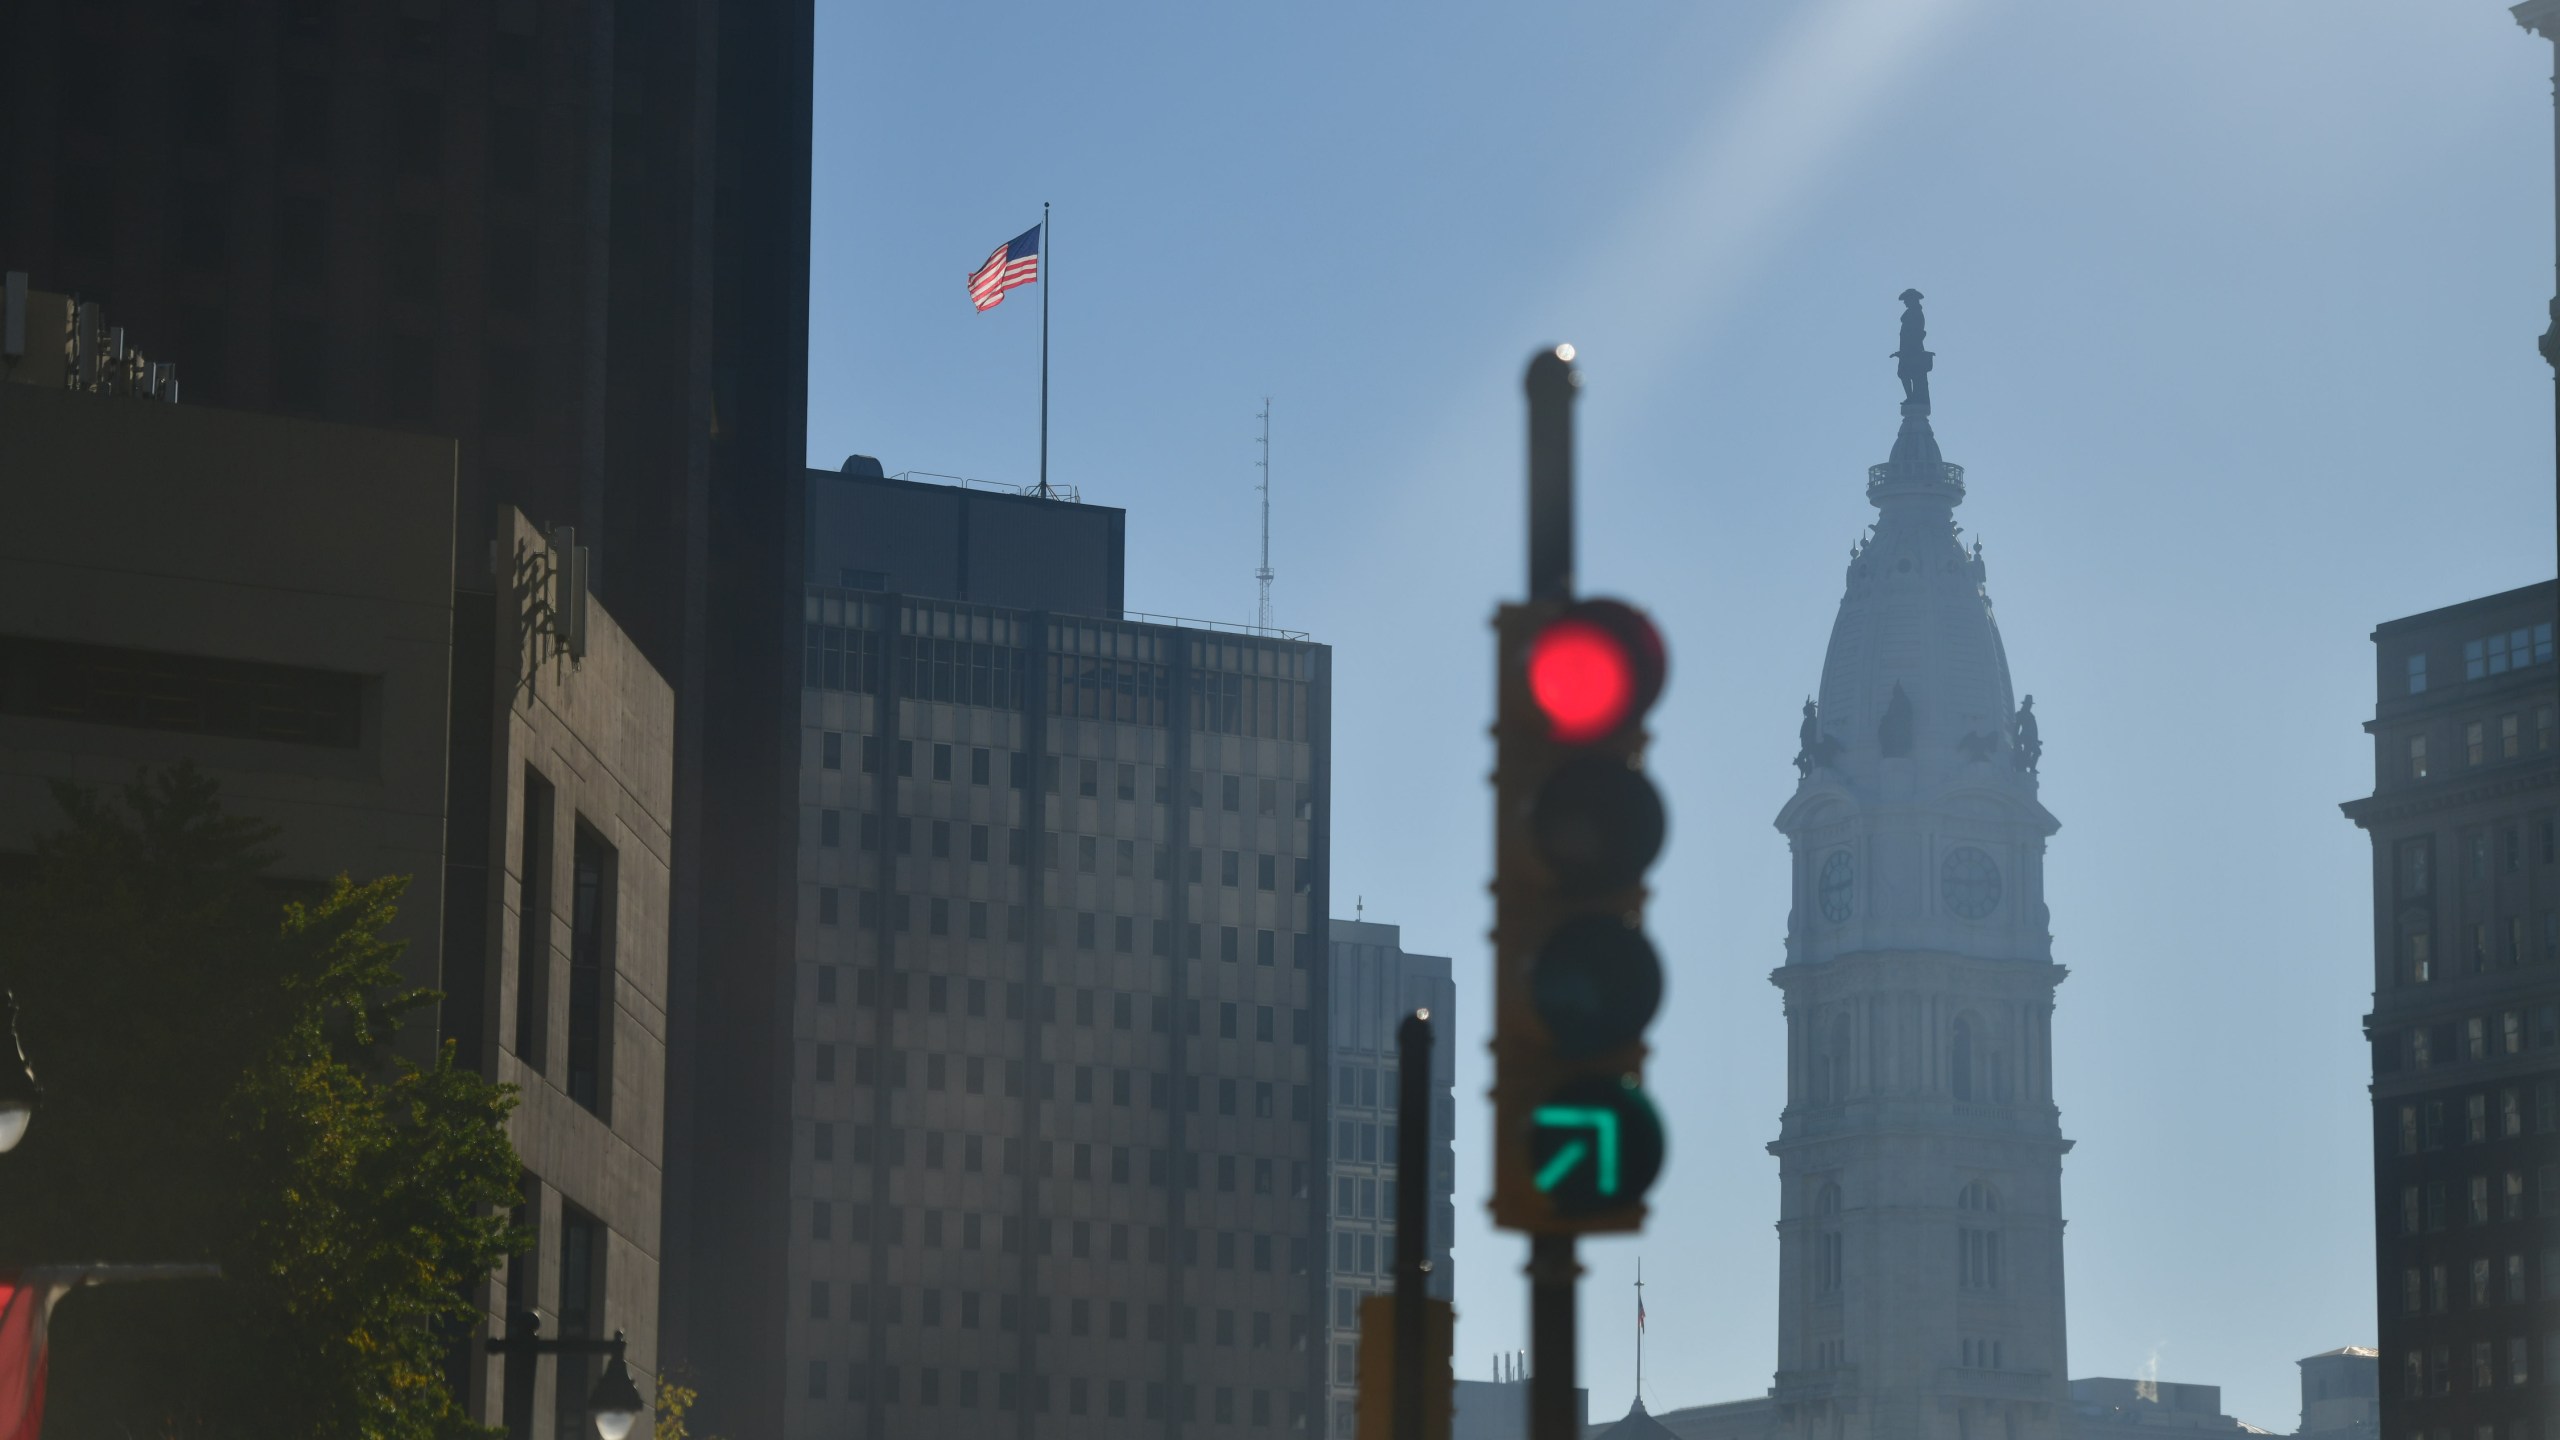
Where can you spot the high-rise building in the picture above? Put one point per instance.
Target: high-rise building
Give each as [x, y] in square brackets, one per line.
[1375, 984]
[1920, 1156]
[575, 238]
[1059, 1072]
[2465, 1027]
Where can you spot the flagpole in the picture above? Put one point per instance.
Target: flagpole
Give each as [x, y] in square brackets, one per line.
[1639, 1329]
[1048, 269]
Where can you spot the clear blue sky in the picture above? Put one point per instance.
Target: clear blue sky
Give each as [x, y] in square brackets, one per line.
[2234, 308]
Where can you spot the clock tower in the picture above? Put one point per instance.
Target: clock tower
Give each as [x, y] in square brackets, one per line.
[1920, 1154]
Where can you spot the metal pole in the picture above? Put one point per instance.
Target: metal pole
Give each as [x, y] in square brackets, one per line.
[1048, 267]
[1413, 1217]
[1554, 1274]
[1552, 384]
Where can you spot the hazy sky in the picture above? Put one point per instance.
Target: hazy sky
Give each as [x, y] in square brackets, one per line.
[2234, 308]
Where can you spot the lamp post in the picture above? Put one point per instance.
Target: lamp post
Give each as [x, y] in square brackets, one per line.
[19, 1092]
[614, 1404]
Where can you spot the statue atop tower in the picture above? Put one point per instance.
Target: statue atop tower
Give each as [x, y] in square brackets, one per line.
[1913, 360]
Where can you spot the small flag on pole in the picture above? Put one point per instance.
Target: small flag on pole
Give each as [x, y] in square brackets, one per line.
[1016, 262]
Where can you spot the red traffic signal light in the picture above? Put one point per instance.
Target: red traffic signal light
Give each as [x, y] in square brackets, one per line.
[1593, 670]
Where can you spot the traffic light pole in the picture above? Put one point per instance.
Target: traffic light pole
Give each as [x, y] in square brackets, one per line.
[1554, 1277]
[1413, 1218]
[1555, 1273]
[1552, 384]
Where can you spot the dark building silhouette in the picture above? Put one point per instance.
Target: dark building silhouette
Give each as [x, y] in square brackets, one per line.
[575, 238]
[2465, 1025]
[973, 542]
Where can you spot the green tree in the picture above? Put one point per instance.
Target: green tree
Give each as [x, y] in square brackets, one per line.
[215, 1046]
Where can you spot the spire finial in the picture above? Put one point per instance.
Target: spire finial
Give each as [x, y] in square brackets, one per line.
[1913, 359]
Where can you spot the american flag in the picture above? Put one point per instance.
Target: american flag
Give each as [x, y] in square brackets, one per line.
[1016, 262]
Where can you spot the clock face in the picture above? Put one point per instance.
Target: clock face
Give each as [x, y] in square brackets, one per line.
[1969, 882]
[1836, 886]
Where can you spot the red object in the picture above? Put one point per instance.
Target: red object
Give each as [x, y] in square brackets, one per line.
[1583, 678]
[1016, 263]
[24, 1306]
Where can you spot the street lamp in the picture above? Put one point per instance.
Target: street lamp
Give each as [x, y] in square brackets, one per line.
[614, 1405]
[615, 1402]
[19, 1091]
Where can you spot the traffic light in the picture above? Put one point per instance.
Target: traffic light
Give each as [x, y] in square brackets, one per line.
[1577, 824]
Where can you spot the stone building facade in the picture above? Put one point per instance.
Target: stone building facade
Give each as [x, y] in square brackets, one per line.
[1059, 1066]
[1920, 1225]
[2465, 1026]
[272, 600]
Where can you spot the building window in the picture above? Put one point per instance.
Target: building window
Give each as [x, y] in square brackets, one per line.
[2475, 743]
[1960, 1060]
[1826, 1255]
[2497, 654]
[1978, 1249]
[582, 1286]
[2419, 947]
[2510, 737]
[2418, 673]
[591, 934]
[2417, 757]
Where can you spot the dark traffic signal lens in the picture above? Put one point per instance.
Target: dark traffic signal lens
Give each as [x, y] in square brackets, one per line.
[1594, 669]
[1596, 983]
[1597, 822]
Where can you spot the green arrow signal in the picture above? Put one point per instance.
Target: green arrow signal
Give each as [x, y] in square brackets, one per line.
[1604, 1126]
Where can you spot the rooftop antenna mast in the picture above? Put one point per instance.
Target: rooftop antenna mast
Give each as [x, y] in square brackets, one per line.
[1262, 614]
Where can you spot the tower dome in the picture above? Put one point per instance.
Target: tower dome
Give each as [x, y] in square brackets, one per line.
[1915, 669]
[1917, 732]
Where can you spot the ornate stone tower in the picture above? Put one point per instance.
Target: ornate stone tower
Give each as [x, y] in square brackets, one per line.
[1920, 1272]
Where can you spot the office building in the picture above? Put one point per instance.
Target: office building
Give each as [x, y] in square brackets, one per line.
[2341, 1394]
[2111, 1408]
[2465, 1026]
[1375, 984]
[575, 238]
[1059, 1077]
[1920, 1153]
[1498, 1409]
[272, 600]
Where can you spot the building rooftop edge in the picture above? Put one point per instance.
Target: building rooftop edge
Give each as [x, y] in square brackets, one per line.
[990, 490]
[2445, 613]
[1126, 617]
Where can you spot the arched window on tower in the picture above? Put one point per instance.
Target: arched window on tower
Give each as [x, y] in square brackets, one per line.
[1960, 1060]
[1978, 1237]
[1826, 1242]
